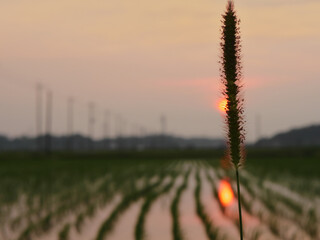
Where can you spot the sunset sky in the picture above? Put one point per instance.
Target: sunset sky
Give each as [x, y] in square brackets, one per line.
[141, 59]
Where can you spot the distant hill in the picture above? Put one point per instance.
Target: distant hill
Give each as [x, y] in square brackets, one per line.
[306, 136]
[82, 143]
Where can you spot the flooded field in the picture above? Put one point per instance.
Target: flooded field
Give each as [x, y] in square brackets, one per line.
[155, 199]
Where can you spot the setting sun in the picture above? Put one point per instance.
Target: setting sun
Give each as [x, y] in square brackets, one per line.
[222, 105]
[226, 196]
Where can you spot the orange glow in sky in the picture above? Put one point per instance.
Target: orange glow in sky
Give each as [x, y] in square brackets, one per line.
[222, 105]
[226, 196]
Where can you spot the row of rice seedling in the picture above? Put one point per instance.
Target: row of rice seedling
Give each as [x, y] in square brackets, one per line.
[211, 231]
[214, 180]
[279, 213]
[64, 233]
[104, 194]
[268, 211]
[42, 192]
[149, 200]
[129, 184]
[126, 202]
[281, 210]
[308, 188]
[54, 215]
[176, 228]
[56, 198]
[263, 213]
[260, 230]
[289, 216]
[304, 208]
[213, 183]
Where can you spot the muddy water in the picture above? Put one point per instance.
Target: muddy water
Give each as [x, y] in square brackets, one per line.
[225, 224]
[124, 227]
[158, 224]
[190, 223]
[91, 225]
[253, 228]
[159, 221]
[285, 217]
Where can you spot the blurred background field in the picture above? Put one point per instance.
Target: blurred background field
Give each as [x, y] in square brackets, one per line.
[147, 195]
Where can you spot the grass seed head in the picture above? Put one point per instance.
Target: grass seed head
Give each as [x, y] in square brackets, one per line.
[231, 76]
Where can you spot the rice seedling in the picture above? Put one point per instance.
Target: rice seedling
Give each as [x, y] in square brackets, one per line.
[149, 200]
[63, 206]
[26, 234]
[37, 228]
[176, 229]
[79, 222]
[274, 226]
[211, 231]
[16, 223]
[43, 208]
[104, 194]
[64, 233]
[231, 76]
[279, 215]
[109, 223]
[256, 234]
[311, 225]
[216, 196]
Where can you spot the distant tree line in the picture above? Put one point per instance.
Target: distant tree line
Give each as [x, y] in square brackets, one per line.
[82, 143]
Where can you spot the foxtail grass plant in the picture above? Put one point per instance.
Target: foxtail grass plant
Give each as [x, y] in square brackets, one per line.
[231, 76]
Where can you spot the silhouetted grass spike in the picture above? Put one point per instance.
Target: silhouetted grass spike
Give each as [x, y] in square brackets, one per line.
[231, 76]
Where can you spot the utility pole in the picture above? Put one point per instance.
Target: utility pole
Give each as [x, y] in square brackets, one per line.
[124, 136]
[124, 127]
[117, 126]
[106, 128]
[134, 136]
[163, 124]
[163, 127]
[258, 127]
[39, 89]
[91, 122]
[142, 134]
[48, 122]
[70, 124]
[119, 130]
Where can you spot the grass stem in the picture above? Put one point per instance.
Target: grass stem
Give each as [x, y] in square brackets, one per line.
[239, 204]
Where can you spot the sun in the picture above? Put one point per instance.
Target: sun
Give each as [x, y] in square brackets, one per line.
[222, 105]
[225, 193]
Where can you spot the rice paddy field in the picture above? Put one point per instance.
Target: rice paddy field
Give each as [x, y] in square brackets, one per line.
[92, 198]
